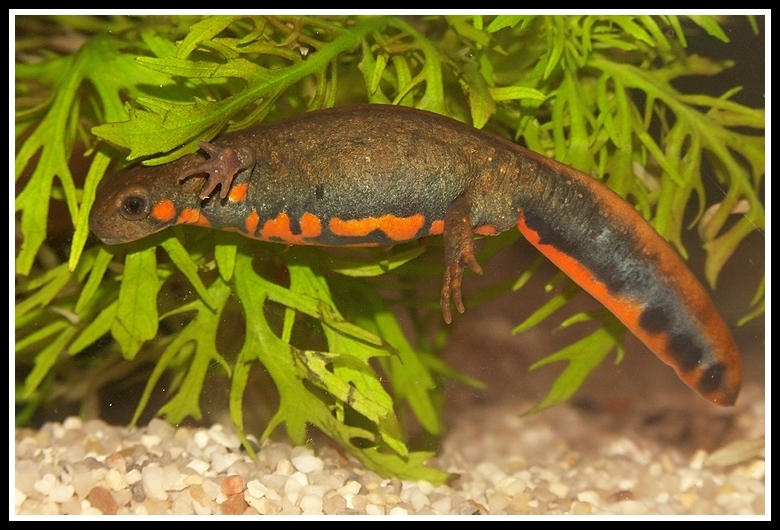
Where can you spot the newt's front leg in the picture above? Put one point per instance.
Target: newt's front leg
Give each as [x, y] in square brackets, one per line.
[458, 253]
[222, 167]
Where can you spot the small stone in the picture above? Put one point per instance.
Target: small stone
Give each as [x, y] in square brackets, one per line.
[26, 476]
[101, 499]
[631, 508]
[224, 437]
[201, 439]
[311, 505]
[580, 508]
[133, 476]
[45, 484]
[152, 478]
[335, 504]
[306, 463]
[352, 487]
[220, 462]
[161, 429]
[357, 502]
[234, 505]
[233, 485]
[199, 466]
[560, 489]
[117, 463]
[61, 493]
[72, 423]
[150, 441]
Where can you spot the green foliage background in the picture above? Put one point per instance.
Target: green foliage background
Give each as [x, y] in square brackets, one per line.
[595, 92]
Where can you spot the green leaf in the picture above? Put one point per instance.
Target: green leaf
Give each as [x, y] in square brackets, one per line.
[187, 266]
[504, 21]
[136, 314]
[569, 290]
[583, 357]
[167, 125]
[509, 93]
[373, 265]
[480, 99]
[204, 30]
[196, 342]
[44, 361]
[99, 326]
[709, 24]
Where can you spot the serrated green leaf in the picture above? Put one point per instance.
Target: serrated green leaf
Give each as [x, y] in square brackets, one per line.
[204, 30]
[170, 125]
[136, 315]
[199, 336]
[583, 357]
[549, 307]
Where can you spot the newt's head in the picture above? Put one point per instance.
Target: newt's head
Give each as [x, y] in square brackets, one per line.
[133, 203]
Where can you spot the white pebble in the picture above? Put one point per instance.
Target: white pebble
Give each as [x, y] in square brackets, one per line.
[697, 460]
[61, 493]
[398, 510]
[115, 480]
[589, 496]
[511, 486]
[631, 508]
[417, 498]
[173, 480]
[256, 489]
[221, 462]
[352, 488]
[224, 438]
[152, 476]
[133, 476]
[373, 509]
[284, 467]
[19, 498]
[559, 489]
[311, 505]
[201, 439]
[161, 429]
[150, 441]
[442, 505]
[295, 483]
[45, 484]
[306, 463]
[199, 466]
[72, 423]
[211, 489]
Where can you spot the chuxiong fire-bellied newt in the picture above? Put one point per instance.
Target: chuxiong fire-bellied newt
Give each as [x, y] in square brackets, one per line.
[379, 174]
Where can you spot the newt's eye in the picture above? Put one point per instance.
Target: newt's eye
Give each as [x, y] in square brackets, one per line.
[134, 208]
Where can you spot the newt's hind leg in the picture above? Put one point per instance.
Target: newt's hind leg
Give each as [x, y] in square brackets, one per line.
[458, 254]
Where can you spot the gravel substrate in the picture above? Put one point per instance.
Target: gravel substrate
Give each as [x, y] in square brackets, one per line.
[559, 462]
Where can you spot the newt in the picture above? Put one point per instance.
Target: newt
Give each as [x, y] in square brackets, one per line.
[371, 175]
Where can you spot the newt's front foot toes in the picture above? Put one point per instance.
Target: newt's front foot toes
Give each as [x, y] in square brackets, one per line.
[223, 165]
